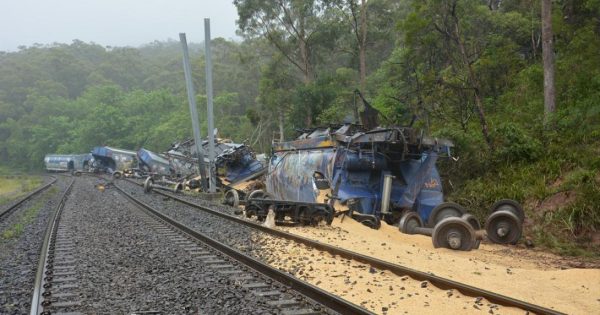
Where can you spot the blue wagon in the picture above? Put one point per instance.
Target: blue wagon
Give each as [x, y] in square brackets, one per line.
[112, 160]
[375, 174]
[235, 163]
[67, 162]
[150, 162]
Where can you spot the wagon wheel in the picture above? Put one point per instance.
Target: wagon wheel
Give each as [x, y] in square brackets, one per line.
[148, 183]
[503, 227]
[509, 205]
[444, 210]
[370, 221]
[178, 187]
[232, 198]
[472, 220]
[409, 221]
[259, 194]
[453, 233]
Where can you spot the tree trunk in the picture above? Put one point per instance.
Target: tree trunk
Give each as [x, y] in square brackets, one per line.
[362, 46]
[307, 71]
[304, 53]
[476, 87]
[548, 58]
[281, 124]
[306, 79]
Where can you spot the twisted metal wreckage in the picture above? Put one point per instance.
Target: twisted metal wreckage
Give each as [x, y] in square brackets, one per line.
[365, 172]
[373, 173]
[177, 168]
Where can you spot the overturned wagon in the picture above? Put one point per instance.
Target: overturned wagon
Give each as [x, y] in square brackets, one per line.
[236, 164]
[153, 163]
[384, 173]
[373, 174]
[112, 160]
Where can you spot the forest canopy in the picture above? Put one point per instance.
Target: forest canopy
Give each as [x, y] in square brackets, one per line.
[469, 70]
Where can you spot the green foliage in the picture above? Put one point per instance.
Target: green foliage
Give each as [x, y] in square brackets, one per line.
[514, 144]
[14, 186]
[27, 216]
[427, 77]
[69, 98]
[297, 67]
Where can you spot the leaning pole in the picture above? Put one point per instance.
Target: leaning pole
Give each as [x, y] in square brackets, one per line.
[187, 70]
[209, 99]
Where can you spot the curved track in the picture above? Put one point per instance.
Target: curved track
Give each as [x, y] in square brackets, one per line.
[283, 293]
[440, 282]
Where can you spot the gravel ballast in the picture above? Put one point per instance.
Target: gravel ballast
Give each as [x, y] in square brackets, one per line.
[21, 236]
[376, 290]
[125, 262]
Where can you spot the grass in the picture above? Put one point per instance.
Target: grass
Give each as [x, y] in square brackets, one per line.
[564, 167]
[28, 216]
[16, 186]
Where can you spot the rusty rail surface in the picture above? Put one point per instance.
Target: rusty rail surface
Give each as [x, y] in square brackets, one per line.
[438, 281]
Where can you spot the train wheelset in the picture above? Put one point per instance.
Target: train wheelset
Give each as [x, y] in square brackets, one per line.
[451, 226]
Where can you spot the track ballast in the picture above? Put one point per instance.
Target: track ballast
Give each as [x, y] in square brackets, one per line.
[114, 257]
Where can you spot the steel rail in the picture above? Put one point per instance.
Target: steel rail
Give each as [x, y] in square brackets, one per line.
[13, 206]
[438, 281]
[37, 298]
[335, 303]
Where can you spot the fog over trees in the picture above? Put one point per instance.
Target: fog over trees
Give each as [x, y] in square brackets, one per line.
[470, 70]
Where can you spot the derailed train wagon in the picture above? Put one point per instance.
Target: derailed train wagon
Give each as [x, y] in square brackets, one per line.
[67, 162]
[153, 163]
[238, 164]
[112, 160]
[383, 173]
[235, 164]
[374, 174]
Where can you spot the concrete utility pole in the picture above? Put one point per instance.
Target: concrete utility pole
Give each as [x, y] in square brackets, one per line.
[209, 99]
[187, 70]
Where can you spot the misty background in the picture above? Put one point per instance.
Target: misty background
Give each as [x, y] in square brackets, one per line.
[482, 87]
[112, 22]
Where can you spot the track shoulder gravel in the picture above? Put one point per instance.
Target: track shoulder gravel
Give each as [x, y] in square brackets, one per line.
[19, 254]
[124, 262]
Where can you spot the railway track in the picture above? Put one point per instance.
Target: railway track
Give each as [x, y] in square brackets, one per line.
[22, 231]
[440, 282]
[60, 286]
[4, 213]
[47, 265]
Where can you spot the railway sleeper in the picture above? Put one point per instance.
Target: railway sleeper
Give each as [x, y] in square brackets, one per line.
[268, 293]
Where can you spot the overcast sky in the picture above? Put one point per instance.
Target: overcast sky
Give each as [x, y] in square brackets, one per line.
[112, 22]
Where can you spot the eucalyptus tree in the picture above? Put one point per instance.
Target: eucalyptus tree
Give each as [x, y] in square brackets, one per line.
[294, 27]
[548, 58]
[459, 56]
